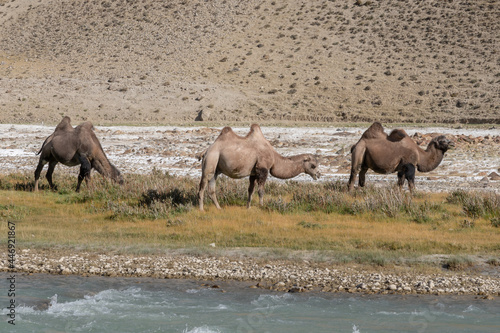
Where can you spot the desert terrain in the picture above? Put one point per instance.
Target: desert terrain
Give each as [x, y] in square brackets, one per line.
[155, 62]
[159, 79]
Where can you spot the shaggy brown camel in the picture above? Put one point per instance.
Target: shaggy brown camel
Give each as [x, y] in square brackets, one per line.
[75, 146]
[384, 154]
[252, 155]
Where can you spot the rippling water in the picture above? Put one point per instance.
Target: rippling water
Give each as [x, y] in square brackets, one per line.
[48, 303]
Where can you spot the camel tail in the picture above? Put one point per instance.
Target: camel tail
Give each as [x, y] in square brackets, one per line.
[47, 140]
[201, 155]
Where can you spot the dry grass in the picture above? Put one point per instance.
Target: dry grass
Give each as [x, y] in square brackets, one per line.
[157, 212]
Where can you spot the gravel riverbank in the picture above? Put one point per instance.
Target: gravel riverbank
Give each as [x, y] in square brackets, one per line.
[280, 275]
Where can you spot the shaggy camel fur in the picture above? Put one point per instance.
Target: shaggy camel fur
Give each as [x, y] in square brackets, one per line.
[252, 155]
[394, 152]
[75, 146]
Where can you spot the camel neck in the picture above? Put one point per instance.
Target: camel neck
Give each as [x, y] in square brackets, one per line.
[287, 167]
[430, 158]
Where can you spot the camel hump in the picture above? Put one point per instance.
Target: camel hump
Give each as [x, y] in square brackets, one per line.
[226, 131]
[255, 131]
[64, 125]
[255, 128]
[87, 125]
[375, 131]
[397, 135]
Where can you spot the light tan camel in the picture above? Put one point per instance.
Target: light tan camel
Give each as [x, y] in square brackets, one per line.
[384, 154]
[252, 155]
[75, 146]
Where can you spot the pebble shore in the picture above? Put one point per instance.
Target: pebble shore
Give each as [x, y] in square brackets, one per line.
[279, 275]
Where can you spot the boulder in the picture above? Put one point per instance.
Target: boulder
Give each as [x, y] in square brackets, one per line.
[203, 115]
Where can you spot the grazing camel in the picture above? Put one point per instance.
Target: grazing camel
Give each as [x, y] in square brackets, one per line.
[394, 152]
[75, 146]
[252, 155]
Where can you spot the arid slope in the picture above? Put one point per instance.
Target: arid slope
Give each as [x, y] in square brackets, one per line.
[155, 61]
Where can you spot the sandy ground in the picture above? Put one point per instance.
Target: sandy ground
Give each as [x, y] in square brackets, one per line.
[472, 164]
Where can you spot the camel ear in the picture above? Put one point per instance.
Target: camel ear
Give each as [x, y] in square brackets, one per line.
[307, 159]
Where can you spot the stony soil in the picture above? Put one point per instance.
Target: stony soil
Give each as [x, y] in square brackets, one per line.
[473, 164]
[292, 276]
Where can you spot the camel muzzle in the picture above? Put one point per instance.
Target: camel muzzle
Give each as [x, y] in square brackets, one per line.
[316, 176]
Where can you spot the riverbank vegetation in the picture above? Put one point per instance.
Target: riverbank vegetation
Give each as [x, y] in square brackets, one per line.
[158, 212]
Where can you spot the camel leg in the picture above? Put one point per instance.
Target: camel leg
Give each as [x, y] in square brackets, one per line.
[261, 181]
[204, 182]
[38, 171]
[208, 173]
[407, 172]
[401, 178]
[410, 176]
[211, 190]
[251, 188]
[85, 168]
[362, 176]
[201, 191]
[357, 153]
[50, 171]
[352, 179]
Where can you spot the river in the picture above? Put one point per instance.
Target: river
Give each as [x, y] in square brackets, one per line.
[54, 303]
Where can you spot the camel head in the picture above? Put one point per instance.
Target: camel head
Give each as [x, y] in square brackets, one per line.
[116, 175]
[311, 166]
[442, 143]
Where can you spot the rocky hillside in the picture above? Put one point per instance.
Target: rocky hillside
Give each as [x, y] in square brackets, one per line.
[155, 61]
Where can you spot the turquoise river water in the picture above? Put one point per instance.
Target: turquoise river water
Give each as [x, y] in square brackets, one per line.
[47, 303]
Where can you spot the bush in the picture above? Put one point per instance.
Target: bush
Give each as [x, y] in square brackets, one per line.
[476, 205]
[310, 225]
[458, 263]
[457, 197]
[467, 224]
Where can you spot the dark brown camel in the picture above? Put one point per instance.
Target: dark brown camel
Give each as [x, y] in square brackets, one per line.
[75, 146]
[384, 154]
[252, 155]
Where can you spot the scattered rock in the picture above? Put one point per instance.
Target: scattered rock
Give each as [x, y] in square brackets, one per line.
[494, 176]
[203, 115]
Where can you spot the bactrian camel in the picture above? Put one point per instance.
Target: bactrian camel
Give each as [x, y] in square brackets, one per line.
[75, 146]
[252, 155]
[385, 154]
